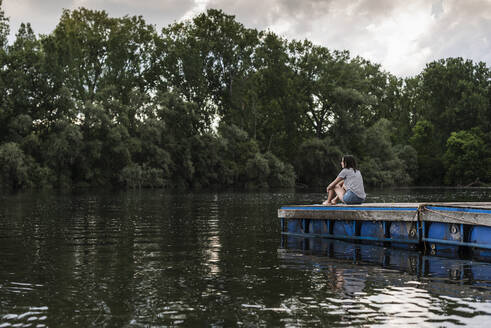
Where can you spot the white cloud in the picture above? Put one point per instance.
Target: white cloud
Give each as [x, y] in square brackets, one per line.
[401, 35]
[44, 15]
[199, 6]
[461, 30]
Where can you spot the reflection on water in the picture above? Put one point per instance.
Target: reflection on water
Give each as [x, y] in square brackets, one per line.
[385, 286]
[138, 259]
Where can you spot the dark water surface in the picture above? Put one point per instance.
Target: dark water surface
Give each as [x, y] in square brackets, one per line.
[153, 259]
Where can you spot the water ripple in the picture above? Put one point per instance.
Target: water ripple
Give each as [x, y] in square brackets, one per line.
[147, 258]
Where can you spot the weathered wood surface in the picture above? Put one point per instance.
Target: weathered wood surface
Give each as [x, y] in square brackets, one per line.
[349, 215]
[459, 213]
[364, 212]
[463, 213]
[482, 205]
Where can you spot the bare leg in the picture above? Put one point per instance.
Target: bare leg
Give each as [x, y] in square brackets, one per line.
[339, 190]
[330, 196]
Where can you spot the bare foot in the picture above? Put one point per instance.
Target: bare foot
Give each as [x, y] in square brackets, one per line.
[325, 202]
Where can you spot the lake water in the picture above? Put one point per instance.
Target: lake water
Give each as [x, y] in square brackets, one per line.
[154, 259]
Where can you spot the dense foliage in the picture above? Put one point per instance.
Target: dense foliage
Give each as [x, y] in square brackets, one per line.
[209, 102]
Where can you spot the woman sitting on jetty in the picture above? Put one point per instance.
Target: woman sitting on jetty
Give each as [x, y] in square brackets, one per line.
[348, 186]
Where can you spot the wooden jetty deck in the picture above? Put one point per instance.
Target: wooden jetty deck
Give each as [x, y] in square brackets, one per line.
[443, 227]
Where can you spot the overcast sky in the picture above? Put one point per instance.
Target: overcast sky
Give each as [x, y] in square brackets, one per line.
[402, 35]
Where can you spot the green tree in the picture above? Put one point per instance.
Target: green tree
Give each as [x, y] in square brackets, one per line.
[108, 101]
[182, 62]
[455, 92]
[103, 59]
[430, 165]
[338, 93]
[4, 32]
[318, 162]
[77, 50]
[318, 70]
[236, 149]
[28, 86]
[61, 151]
[281, 174]
[204, 58]
[14, 167]
[232, 47]
[33, 91]
[411, 108]
[382, 165]
[395, 104]
[279, 107]
[465, 159]
[4, 28]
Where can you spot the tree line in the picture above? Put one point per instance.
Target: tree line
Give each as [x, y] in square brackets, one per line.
[209, 102]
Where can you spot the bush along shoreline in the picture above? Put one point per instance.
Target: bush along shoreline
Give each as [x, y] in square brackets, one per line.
[208, 102]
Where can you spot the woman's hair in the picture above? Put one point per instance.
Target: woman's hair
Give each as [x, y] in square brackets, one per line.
[349, 162]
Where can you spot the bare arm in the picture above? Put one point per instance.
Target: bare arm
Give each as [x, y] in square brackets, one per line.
[335, 182]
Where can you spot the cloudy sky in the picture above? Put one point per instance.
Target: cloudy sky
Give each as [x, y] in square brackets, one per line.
[402, 35]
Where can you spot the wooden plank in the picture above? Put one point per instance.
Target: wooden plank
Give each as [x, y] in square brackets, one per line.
[451, 213]
[472, 213]
[386, 215]
[341, 205]
[482, 205]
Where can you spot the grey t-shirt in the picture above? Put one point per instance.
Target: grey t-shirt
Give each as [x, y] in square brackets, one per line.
[353, 181]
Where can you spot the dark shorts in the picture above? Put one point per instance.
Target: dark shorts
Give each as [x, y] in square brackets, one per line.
[351, 198]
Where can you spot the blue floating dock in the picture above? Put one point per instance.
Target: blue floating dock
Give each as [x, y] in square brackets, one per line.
[441, 228]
